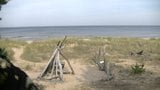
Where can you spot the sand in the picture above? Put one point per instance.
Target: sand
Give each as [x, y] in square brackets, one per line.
[88, 77]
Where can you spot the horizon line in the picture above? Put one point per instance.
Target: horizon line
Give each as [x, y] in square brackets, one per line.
[76, 26]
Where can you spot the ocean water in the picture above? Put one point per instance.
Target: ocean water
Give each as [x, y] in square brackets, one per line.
[85, 31]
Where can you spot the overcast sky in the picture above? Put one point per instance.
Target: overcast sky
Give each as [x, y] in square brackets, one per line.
[80, 12]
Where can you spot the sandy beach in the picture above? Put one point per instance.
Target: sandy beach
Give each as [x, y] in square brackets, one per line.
[32, 56]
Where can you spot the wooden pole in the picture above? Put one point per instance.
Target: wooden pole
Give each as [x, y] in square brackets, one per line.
[68, 63]
[53, 67]
[60, 67]
[61, 43]
[50, 60]
[56, 59]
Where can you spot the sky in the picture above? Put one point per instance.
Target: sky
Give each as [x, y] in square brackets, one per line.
[19, 13]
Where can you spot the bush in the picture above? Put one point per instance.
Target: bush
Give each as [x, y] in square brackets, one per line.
[3, 54]
[138, 69]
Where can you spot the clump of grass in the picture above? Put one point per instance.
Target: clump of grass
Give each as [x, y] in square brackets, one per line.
[137, 69]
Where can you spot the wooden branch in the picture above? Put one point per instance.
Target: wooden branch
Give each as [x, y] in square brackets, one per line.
[56, 66]
[53, 67]
[65, 72]
[50, 60]
[68, 63]
[60, 67]
[61, 44]
[108, 71]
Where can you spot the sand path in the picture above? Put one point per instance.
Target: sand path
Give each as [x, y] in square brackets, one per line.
[18, 61]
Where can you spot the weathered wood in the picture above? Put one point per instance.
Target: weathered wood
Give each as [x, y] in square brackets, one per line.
[68, 63]
[61, 43]
[60, 67]
[54, 67]
[108, 71]
[65, 72]
[105, 66]
[50, 60]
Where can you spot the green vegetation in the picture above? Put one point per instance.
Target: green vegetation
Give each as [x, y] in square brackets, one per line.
[9, 44]
[3, 2]
[75, 48]
[122, 48]
[4, 54]
[4, 58]
[122, 51]
[3, 77]
[138, 69]
[84, 49]
[39, 50]
[10, 74]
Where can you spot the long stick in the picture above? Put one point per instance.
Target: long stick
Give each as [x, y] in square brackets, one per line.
[60, 67]
[67, 62]
[61, 43]
[50, 60]
[53, 66]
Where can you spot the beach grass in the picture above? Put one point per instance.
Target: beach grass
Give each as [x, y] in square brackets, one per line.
[39, 50]
[128, 65]
[9, 44]
[124, 46]
[84, 48]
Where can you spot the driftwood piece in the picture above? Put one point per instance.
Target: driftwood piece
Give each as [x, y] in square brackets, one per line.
[60, 67]
[103, 64]
[53, 67]
[61, 44]
[50, 60]
[107, 70]
[68, 63]
[139, 53]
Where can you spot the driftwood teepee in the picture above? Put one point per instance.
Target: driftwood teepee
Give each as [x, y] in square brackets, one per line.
[54, 68]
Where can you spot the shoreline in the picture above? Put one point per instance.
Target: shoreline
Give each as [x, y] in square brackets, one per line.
[43, 33]
[29, 40]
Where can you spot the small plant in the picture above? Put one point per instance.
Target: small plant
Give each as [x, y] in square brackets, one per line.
[138, 68]
[4, 54]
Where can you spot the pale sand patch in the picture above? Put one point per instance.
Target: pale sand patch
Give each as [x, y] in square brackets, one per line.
[126, 62]
[72, 45]
[29, 41]
[86, 39]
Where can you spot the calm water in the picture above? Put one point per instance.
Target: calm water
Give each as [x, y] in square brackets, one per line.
[61, 31]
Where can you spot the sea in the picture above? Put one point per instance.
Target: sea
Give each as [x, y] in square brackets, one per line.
[34, 33]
